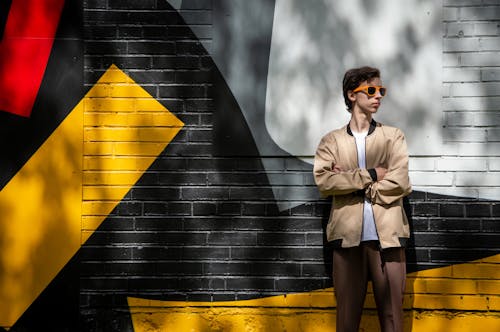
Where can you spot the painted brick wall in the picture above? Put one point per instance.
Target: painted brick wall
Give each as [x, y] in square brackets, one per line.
[203, 227]
[471, 46]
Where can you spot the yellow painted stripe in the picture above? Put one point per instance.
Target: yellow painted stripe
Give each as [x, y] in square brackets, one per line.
[47, 211]
[125, 129]
[299, 320]
[435, 301]
[130, 134]
[109, 177]
[40, 216]
[158, 118]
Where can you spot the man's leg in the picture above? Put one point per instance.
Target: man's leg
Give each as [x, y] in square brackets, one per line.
[349, 281]
[388, 272]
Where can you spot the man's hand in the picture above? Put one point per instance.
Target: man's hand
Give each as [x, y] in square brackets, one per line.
[336, 169]
[380, 172]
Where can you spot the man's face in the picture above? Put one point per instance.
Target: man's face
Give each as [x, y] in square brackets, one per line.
[365, 102]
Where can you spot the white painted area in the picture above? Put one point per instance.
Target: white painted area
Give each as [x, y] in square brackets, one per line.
[311, 50]
[442, 92]
[444, 101]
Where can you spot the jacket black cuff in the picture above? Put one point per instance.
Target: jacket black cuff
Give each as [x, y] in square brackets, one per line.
[373, 174]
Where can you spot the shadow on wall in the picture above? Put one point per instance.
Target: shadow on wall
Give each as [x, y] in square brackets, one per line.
[331, 37]
[40, 221]
[40, 187]
[200, 225]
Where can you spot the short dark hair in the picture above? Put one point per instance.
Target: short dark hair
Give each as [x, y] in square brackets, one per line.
[352, 79]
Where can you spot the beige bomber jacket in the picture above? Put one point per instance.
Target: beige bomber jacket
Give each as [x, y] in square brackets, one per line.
[385, 146]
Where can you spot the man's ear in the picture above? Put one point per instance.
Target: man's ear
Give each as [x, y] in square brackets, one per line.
[351, 95]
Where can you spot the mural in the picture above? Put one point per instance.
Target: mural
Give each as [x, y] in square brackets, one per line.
[160, 187]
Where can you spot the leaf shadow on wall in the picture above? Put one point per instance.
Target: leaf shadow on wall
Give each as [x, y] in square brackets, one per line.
[198, 225]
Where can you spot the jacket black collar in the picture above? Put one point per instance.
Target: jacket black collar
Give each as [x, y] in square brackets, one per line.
[373, 125]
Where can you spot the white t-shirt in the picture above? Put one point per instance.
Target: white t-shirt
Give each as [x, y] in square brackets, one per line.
[369, 231]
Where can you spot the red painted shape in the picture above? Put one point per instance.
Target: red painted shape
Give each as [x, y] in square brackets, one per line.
[24, 52]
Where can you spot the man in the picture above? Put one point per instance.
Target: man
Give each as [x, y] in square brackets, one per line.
[364, 166]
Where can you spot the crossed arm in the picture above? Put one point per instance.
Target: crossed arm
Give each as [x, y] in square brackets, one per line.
[390, 183]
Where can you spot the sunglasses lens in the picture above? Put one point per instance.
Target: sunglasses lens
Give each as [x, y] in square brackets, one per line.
[371, 90]
[382, 91]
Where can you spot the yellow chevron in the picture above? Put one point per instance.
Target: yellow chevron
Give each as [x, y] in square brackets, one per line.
[39, 208]
[73, 181]
[457, 298]
[119, 143]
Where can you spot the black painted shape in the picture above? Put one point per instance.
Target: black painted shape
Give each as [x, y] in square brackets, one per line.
[256, 48]
[4, 14]
[57, 307]
[230, 128]
[60, 91]
[202, 228]
[184, 240]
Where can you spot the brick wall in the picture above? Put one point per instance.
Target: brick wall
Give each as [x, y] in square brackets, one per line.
[204, 226]
[471, 46]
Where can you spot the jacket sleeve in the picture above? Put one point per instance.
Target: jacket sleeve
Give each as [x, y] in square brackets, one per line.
[396, 182]
[341, 183]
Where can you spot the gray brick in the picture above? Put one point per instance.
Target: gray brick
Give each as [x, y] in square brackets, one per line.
[286, 179]
[450, 14]
[478, 210]
[297, 193]
[454, 225]
[452, 255]
[250, 284]
[487, 119]
[196, 4]
[304, 285]
[494, 135]
[187, 48]
[204, 193]
[490, 74]
[182, 91]
[176, 62]
[461, 75]
[483, 13]
[131, 4]
[451, 210]
[454, 29]
[489, 43]
[301, 254]
[315, 239]
[228, 238]
[204, 209]
[479, 59]
[461, 44]
[239, 178]
[422, 209]
[464, 135]
[193, 76]
[486, 103]
[228, 209]
[475, 89]
[314, 270]
[273, 239]
[276, 269]
[105, 48]
[486, 29]
[242, 193]
[185, 178]
[200, 135]
[155, 193]
[459, 118]
[255, 253]
[462, 3]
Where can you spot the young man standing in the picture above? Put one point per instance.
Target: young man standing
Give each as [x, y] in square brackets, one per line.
[364, 166]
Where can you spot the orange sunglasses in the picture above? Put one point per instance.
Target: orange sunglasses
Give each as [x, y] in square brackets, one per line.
[371, 90]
